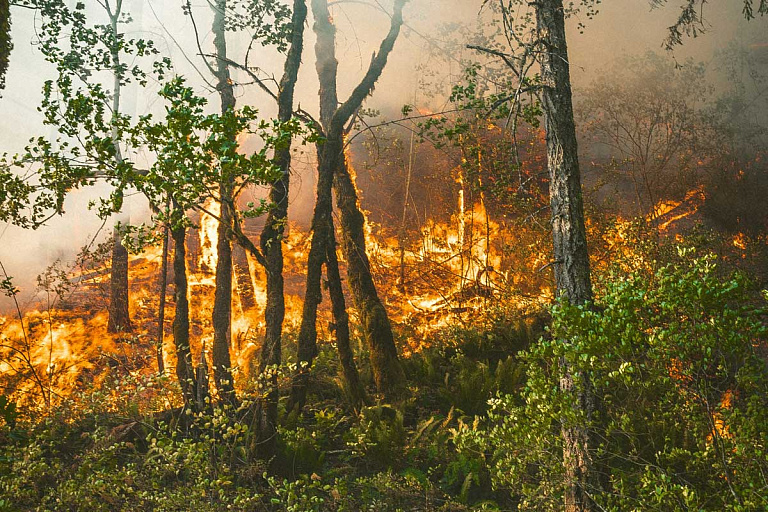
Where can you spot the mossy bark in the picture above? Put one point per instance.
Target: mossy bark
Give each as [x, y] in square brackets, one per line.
[355, 388]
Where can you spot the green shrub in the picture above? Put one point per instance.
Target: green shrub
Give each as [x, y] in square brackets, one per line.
[682, 422]
[378, 439]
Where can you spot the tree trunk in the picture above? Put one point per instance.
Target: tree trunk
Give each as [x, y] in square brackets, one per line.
[377, 330]
[571, 267]
[321, 235]
[272, 242]
[355, 388]
[119, 317]
[222, 302]
[161, 306]
[181, 319]
[243, 280]
[222, 311]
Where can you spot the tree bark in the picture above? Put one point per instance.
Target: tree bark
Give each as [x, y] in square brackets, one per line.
[571, 267]
[119, 317]
[388, 372]
[222, 302]
[243, 280]
[377, 330]
[184, 370]
[318, 250]
[272, 242]
[161, 306]
[355, 388]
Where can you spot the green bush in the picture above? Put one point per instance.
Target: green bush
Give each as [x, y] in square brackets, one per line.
[682, 422]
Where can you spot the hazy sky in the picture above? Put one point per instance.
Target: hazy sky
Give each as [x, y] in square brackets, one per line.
[623, 26]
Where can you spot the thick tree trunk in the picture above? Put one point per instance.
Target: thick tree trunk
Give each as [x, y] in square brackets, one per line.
[119, 317]
[571, 259]
[272, 243]
[355, 388]
[184, 370]
[222, 302]
[377, 330]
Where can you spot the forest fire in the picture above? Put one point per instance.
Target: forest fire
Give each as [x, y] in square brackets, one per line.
[483, 269]
[667, 213]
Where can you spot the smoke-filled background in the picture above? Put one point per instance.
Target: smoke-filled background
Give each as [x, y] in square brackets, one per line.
[429, 57]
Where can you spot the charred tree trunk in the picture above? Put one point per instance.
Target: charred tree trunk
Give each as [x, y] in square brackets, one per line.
[222, 302]
[119, 317]
[571, 267]
[377, 330]
[184, 370]
[161, 306]
[272, 242]
[355, 388]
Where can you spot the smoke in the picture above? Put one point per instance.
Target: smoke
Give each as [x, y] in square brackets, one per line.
[428, 57]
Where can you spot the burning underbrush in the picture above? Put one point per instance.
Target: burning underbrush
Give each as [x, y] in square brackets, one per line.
[451, 274]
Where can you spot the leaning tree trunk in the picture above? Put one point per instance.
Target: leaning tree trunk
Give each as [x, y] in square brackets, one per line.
[571, 260]
[222, 302]
[377, 330]
[184, 370]
[119, 317]
[388, 372]
[272, 243]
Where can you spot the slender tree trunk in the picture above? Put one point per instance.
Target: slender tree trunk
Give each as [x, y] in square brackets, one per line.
[272, 242]
[222, 302]
[572, 279]
[184, 370]
[321, 235]
[388, 372]
[161, 307]
[222, 310]
[355, 388]
[119, 317]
